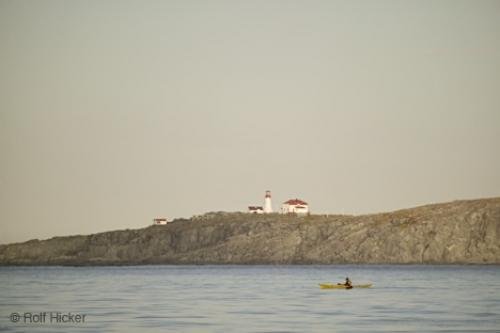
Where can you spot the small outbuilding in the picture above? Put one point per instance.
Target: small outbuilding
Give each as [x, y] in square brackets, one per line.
[295, 206]
[256, 209]
[160, 221]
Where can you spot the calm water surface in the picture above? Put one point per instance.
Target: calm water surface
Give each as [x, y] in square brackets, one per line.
[253, 298]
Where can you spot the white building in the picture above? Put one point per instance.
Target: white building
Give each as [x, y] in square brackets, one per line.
[268, 208]
[295, 206]
[256, 209]
[160, 221]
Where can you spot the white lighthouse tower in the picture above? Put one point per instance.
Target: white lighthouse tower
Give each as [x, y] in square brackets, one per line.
[268, 208]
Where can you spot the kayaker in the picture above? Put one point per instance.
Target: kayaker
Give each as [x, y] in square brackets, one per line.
[348, 283]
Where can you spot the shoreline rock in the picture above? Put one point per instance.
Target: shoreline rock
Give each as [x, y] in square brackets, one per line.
[459, 232]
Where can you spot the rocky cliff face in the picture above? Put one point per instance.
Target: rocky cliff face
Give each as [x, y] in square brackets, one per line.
[456, 232]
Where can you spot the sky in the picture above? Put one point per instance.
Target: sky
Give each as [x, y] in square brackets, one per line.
[113, 113]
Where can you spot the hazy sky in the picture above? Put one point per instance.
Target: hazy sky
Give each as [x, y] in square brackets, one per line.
[116, 112]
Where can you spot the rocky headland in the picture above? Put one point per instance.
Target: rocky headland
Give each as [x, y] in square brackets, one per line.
[459, 232]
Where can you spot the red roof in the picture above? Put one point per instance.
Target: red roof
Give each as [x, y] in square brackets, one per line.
[296, 202]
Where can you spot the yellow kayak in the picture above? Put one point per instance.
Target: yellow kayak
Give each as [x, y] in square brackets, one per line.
[341, 286]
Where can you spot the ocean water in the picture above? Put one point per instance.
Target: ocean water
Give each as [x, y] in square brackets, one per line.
[250, 299]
